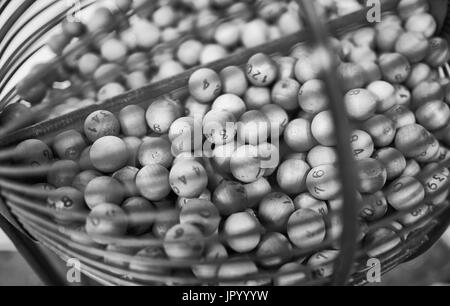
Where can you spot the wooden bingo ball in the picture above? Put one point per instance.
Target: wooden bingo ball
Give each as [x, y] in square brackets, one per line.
[253, 128]
[133, 144]
[230, 197]
[371, 174]
[312, 98]
[290, 274]
[101, 123]
[188, 179]
[169, 68]
[153, 182]
[201, 213]
[109, 91]
[69, 145]
[361, 104]
[189, 52]
[242, 232]
[291, 176]
[425, 92]
[106, 220]
[322, 263]
[132, 121]
[127, 177]
[167, 218]
[228, 34]
[417, 218]
[361, 54]
[63, 202]
[256, 191]
[401, 116]
[298, 135]
[213, 251]
[408, 8]
[412, 168]
[384, 94]
[113, 50]
[381, 241]
[84, 178]
[33, 152]
[184, 241]
[435, 179]
[381, 129]
[140, 214]
[155, 151]
[433, 115]
[234, 80]
[62, 173]
[231, 103]
[371, 70]
[395, 68]
[245, 164]
[219, 127]
[101, 20]
[321, 155]
[205, 85]
[405, 193]
[306, 228]
[387, 36]
[374, 206]
[278, 118]
[438, 53]
[362, 144]
[195, 109]
[286, 65]
[307, 201]
[262, 70]
[412, 45]
[103, 189]
[222, 156]
[420, 72]
[109, 154]
[84, 161]
[402, 94]
[257, 97]
[285, 94]
[323, 182]
[212, 53]
[422, 23]
[162, 113]
[414, 141]
[273, 250]
[322, 129]
[254, 33]
[184, 126]
[393, 160]
[275, 210]
[351, 75]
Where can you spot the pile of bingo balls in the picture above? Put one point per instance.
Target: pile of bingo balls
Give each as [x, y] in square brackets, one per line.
[162, 39]
[250, 156]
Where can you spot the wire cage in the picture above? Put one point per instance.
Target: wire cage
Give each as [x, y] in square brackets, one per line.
[343, 255]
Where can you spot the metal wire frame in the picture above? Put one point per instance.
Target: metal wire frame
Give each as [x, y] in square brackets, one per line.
[35, 225]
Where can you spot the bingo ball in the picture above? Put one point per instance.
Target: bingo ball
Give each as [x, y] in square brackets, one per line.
[153, 182]
[242, 232]
[104, 189]
[106, 220]
[275, 210]
[201, 213]
[306, 228]
[262, 70]
[100, 124]
[109, 154]
[184, 241]
[205, 85]
[188, 179]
